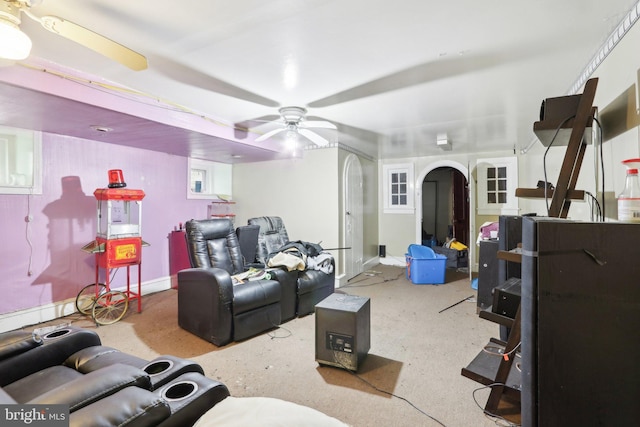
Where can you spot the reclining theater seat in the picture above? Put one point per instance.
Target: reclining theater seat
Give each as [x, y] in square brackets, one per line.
[248, 240]
[101, 386]
[209, 305]
[312, 286]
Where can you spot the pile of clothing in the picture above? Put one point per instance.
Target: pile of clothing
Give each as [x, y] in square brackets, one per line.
[300, 255]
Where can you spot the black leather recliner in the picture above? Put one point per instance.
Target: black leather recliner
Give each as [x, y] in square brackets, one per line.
[312, 286]
[101, 386]
[209, 304]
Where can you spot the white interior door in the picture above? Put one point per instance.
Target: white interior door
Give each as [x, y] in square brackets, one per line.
[353, 221]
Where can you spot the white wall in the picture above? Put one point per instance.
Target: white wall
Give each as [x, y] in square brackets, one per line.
[304, 192]
[308, 194]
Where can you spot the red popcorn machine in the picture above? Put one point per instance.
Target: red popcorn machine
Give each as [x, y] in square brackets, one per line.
[118, 244]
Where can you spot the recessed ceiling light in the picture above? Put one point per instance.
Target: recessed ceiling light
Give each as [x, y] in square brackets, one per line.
[101, 128]
[236, 156]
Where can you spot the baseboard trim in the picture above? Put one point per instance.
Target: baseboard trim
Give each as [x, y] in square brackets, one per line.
[396, 261]
[44, 313]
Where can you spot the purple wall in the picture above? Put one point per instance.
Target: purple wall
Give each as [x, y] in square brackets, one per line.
[64, 219]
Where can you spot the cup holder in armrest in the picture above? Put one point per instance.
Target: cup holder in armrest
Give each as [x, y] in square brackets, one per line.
[190, 396]
[179, 390]
[166, 368]
[158, 366]
[56, 334]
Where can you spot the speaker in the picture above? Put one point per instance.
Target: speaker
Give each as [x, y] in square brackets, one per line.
[382, 251]
[343, 335]
[487, 273]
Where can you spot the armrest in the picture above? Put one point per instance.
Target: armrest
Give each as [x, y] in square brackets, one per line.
[94, 386]
[16, 342]
[205, 299]
[55, 349]
[212, 278]
[130, 407]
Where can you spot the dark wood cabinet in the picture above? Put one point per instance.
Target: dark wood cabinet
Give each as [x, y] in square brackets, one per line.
[580, 313]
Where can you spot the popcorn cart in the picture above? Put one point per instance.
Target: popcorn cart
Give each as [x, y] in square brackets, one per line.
[118, 244]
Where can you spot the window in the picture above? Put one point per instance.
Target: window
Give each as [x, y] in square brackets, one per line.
[398, 188]
[496, 185]
[208, 179]
[497, 182]
[20, 161]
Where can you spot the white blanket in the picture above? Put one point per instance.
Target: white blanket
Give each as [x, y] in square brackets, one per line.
[264, 412]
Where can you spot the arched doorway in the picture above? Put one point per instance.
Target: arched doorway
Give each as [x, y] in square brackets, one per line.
[443, 205]
[353, 217]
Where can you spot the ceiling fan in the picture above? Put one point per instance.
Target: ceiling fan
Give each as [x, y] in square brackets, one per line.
[16, 45]
[293, 119]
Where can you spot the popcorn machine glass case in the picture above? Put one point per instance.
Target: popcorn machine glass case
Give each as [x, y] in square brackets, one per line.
[118, 243]
[119, 226]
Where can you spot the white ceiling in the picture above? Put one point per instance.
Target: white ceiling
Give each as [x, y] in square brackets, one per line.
[402, 71]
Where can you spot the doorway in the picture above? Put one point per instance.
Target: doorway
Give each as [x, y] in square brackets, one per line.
[353, 217]
[445, 206]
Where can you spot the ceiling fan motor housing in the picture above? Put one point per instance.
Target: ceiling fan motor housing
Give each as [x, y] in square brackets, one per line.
[293, 115]
[10, 12]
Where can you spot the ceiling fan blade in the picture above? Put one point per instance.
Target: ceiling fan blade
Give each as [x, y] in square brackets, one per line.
[269, 134]
[314, 137]
[94, 41]
[363, 134]
[257, 121]
[241, 129]
[317, 124]
[416, 75]
[187, 75]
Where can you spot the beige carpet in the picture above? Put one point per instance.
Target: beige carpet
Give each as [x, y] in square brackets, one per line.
[416, 354]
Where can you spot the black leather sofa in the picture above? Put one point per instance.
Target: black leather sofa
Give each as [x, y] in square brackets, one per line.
[102, 386]
[312, 286]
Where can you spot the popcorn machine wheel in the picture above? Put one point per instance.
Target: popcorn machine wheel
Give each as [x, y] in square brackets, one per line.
[118, 244]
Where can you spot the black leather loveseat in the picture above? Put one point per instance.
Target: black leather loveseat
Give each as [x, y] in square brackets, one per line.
[100, 385]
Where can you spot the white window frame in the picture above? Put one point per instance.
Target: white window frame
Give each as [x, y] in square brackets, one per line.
[485, 207]
[388, 171]
[22, 172]
[215, 179]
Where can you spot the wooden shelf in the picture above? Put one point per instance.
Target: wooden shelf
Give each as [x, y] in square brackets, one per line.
[545, 130]
[484, 366]
[538, 193]
[514, 255]
[487, 314]
[576, 142]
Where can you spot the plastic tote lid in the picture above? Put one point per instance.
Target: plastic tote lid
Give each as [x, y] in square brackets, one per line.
[421, 252]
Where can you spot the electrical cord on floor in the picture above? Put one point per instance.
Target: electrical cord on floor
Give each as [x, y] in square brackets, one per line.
[272, 334]
[500, 421]
[385, 280]
[336, 359]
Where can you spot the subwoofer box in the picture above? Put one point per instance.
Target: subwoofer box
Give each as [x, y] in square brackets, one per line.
[343, 330]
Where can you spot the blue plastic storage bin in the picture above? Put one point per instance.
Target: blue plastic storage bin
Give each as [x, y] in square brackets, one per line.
[424, 266]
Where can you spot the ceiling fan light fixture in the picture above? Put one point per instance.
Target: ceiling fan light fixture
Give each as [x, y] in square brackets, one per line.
[14, 44]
